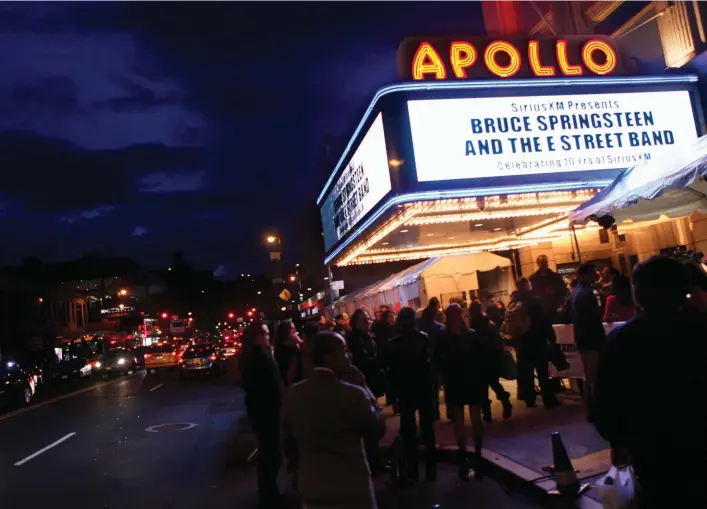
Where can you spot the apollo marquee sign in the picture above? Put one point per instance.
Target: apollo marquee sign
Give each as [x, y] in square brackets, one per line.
[442, 59]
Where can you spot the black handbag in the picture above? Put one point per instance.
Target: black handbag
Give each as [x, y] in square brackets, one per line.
[557, 357]
[509, 368]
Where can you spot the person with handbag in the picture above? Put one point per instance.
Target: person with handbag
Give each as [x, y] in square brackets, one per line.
[535, 342]
[492, 339]
[654, 360]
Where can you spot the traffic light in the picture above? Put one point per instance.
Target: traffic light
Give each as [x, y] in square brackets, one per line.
[164, 316]
[231, 315]
[250, 313]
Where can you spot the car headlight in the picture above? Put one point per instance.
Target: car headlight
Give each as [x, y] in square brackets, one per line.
[98, 364]
[121, 361]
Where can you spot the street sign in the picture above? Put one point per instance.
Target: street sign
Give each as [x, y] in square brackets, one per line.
[337, 285]
[285, 295]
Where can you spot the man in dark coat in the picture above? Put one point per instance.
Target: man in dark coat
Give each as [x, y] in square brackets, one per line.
[549, 287]
[263, 386]
[656, 361]
[589, 335]
[406, 358]
[532, 348]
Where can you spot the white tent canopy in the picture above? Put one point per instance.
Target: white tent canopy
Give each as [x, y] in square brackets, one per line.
[674, 185]
[435, 276]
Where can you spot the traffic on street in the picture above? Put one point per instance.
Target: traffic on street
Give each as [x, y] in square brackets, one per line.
[164, 441]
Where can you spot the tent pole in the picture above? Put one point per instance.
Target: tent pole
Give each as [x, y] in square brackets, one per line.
[576, 243]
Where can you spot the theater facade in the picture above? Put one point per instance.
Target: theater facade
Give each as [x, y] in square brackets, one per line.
[487, 144]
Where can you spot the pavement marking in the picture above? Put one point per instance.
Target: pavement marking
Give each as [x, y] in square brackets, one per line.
[44, 449]
[156, 387]
[252, 454]
[184, 426]
[57, 398]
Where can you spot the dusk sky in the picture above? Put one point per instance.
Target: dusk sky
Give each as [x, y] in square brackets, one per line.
[138, 129]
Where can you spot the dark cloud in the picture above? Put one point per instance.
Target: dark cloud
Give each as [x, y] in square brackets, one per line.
[139, 98]
[172, 182]
[87, 214]
[51, 174]
[49, 94]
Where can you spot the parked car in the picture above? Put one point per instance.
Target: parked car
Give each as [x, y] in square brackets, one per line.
[202, 359]
[116, 362]
[160, 357]
[72, 369]
[17, 385]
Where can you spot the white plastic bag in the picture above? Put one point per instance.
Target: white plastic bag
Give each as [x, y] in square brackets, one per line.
[617, 489]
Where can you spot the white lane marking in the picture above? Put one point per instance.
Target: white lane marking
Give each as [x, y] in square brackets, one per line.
[34, 406]
[44, 449]
[252, 454]
[156, 387]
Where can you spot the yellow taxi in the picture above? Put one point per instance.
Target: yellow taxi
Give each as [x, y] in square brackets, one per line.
[161, 356]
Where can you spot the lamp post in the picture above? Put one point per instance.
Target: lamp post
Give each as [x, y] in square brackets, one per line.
[273, 243]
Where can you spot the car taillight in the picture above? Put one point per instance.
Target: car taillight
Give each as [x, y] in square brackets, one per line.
[213, 357]
[174, 353]
[147, 355]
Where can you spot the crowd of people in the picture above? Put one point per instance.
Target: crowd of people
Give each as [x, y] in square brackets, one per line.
[314, 401]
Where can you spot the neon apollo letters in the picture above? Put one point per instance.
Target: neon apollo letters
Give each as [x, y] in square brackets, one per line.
[463, 55]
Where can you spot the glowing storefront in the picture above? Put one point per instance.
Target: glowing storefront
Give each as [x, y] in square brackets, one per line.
[489, 144]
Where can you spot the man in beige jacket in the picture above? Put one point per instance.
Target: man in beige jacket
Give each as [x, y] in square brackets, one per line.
[324, 423]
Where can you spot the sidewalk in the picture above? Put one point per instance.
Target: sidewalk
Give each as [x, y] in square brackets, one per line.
[521, 445]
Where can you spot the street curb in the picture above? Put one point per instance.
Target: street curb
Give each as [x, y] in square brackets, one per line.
[531, 485]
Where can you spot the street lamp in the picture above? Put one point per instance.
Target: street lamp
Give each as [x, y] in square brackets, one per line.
[283, 308]
[123, 292]
[271, 239]
[293, 278]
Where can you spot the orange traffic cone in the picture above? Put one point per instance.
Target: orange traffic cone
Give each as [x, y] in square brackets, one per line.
[565, 476]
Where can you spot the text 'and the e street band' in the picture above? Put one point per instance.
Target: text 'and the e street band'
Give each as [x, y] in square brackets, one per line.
[501, 136]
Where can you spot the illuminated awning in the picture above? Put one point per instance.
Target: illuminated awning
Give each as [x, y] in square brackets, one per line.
[433, 228]
[434, 269]
[673, 185]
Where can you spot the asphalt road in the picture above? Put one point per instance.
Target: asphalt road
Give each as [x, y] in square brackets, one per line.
[98, 448]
